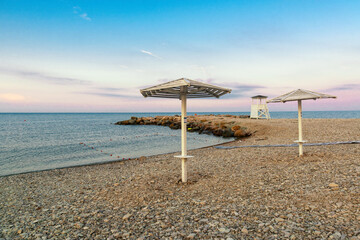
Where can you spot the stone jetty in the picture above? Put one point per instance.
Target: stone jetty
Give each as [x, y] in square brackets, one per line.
[219, 125]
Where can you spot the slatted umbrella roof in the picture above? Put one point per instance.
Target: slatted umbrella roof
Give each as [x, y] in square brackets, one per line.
[299, 94]
[192, 89]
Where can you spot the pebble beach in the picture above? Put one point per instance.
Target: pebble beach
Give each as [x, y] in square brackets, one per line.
[241, 193]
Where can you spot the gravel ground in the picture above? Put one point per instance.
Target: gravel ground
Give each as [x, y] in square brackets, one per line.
[244, 193]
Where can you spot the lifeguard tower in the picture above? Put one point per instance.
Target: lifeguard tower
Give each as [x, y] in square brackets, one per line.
[259, 107]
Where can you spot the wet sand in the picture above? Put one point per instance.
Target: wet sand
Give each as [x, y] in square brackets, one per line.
[263, 193]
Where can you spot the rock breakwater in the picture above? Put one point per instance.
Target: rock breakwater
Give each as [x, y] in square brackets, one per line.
[218, 125]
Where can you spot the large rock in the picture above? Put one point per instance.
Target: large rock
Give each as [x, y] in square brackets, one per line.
[125, 122]
[228, 133]
[207, 129]
[174, 126]
[201, 130]
[235, 128]
[240, 133]
[218, 132]
[196, 128]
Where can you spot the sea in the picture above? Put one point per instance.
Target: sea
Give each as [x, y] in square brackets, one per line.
[40, 141]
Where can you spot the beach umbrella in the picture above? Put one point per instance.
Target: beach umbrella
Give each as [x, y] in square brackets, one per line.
[299, 95]
[182, 89]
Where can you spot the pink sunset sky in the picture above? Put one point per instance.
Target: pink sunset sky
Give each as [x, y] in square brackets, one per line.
[95, 57]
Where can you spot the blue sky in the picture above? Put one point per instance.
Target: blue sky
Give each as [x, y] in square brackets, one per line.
[93, 56]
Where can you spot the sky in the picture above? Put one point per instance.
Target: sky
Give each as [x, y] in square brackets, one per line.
[94, 56]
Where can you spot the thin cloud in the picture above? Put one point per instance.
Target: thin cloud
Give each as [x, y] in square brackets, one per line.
[77, 10]
[114, 92]
[344, 87]
[85, 16]
[150, 54]
[159, 81]
[113, 95]
[12, 97]
[234, 85]
[239, 90]
[43, 77]
[243, 87]
[111, 89]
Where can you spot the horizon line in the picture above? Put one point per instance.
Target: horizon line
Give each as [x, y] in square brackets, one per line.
[170, 112]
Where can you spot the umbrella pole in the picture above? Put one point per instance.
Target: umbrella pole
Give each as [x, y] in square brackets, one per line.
[300, 128]
[183, 138]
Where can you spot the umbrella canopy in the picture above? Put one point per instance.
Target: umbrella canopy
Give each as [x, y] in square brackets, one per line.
[184, 88]
[193, 89]
[259, 96]
[299, 95]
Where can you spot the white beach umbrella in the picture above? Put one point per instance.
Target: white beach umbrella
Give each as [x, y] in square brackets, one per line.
[299, 95]
[181, 89]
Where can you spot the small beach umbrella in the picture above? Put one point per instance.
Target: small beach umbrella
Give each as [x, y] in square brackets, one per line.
[299, 95]
[182, 89]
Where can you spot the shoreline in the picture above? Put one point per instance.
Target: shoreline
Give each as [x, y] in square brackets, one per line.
[160, 154]
[150, 156]
[109, 162]
[262, 193]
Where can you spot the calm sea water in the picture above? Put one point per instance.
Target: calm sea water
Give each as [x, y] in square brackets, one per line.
[39, 141]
